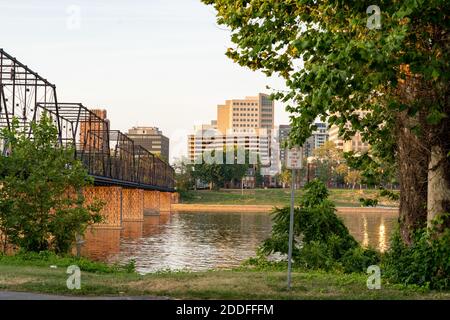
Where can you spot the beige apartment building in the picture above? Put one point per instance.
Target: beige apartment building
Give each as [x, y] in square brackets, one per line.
[355, 144]
[247, 123]
[246, 115]
[208, 140]
[201, 140]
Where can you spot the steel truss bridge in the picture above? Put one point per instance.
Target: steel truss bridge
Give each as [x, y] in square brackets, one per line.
[110, 157]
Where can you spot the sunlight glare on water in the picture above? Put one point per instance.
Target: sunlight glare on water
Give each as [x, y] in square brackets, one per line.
[202, 241]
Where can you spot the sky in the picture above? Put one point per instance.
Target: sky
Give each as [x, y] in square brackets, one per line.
[147, 62]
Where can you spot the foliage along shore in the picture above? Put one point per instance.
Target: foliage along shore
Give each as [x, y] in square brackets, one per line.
[276, 197]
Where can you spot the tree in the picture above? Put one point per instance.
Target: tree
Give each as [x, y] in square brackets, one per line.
[390, 83]
[341, 171]
[353, 177]
[285, 176]
[42, 207]
[327, 159]
[321, 239]
[184, 175]
[220, 173]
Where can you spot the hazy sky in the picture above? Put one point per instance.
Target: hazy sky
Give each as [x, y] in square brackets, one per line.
[148, 62]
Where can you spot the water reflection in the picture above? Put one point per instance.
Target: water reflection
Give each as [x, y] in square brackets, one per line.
[371, 229]
[365, 241]
[101, 244]
[200, 241]
[382, 236]
[132, 230]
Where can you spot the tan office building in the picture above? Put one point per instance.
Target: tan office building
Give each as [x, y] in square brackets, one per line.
[209, 140]
[355, 144]
[246, 115]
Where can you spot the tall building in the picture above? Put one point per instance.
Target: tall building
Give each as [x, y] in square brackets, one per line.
[246, 115]
[152, 139]
[283, 135]
[201, 139]
[211, 139]
[355, 144]
[206, 127]
[317, 139]
[94, 130]
[246, 123]
[333, 134]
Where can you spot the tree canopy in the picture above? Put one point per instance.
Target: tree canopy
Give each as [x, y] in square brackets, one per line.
[219, 173]
[41, 205]
[390, 83]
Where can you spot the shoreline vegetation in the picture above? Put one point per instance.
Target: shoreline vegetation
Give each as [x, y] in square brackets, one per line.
[46, 273]
[227, 208]
[267, 199]
[25, 273]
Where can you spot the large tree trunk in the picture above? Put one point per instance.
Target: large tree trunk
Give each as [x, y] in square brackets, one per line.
[439, 173]
[438, 184]
[412, 160]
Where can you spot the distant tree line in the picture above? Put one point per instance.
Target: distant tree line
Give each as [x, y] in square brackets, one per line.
[217, 174]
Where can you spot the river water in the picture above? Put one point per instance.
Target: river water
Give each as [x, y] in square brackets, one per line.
[201, 241]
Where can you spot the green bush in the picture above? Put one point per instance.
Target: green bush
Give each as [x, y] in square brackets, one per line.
[321, 239]
[426, 262]
[359, 259]
[185, 195]
[316, 255]
[40, 206]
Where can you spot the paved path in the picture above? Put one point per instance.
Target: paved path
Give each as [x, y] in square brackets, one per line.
[11, 295]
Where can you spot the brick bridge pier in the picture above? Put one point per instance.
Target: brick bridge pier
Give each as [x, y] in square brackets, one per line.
[129, 205]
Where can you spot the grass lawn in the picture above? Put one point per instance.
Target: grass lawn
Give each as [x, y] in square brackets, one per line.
[230, 284]
[276, 197]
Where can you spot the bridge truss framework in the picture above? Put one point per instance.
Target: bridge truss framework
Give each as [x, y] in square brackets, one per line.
[110, 157]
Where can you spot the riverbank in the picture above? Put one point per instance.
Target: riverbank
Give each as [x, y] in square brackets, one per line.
[276, 197]
[227, 208]
[241, 283]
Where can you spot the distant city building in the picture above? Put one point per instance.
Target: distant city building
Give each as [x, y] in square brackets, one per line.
[245, 123]
[94, 130]
[333, 136]
[283, 135]
[208, 140]
[316, 140]
[206, 127]
[246, 115]
[152, 139]
[196, 143]
[355, 144]
[274, 167]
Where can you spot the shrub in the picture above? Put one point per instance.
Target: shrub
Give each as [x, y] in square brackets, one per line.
[359, 259]
[321, 240]
[39, 178]
[316, 255]
[426, 262]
